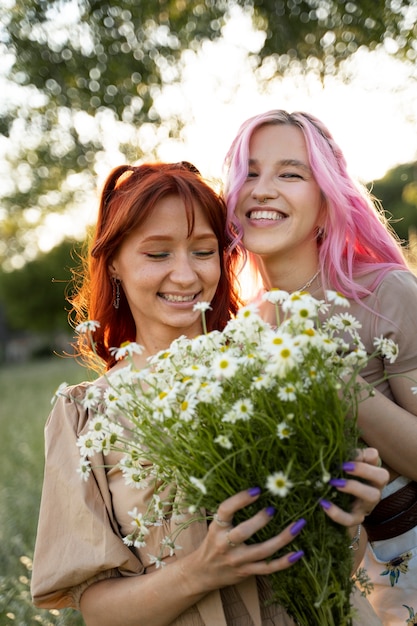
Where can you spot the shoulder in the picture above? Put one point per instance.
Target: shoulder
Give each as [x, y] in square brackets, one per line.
[398, 281]
[71, 407]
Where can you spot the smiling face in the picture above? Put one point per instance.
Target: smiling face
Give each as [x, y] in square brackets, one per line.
[164, 272]
[280, 204]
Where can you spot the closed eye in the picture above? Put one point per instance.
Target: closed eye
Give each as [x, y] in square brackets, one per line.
[157, 255]
[292, 175]
[204, 253]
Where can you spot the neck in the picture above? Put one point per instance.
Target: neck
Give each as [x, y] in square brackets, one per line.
[290, 276]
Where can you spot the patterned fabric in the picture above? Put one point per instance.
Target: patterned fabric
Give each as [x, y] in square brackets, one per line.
[392, 567]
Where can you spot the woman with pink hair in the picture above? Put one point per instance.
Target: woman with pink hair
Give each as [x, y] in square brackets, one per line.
[305, 224]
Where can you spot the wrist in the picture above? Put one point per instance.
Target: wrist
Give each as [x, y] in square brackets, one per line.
[354, 544]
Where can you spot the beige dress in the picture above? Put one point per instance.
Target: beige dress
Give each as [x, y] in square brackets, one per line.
[81, 525]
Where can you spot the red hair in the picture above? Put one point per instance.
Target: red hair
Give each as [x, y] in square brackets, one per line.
[128, 198]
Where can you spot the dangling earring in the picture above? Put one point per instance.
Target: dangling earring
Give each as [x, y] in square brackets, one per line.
[116, 282]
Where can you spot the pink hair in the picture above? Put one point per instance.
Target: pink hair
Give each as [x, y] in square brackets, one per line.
[357, 237]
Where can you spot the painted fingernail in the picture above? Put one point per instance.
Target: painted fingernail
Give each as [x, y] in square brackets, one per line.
[325, 504]
[338, 482]
[297, 526]
[349, 466]
[296, 556]
[254, 491]
[270, 510]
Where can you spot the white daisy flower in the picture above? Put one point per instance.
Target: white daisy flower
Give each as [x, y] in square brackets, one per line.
[84, 470]
[346, 322]
[187, 408]
[243, 409]
[59, 392]
[135, 477]
[202, 306]
[168, 543]
[92, 397]
[225, 365]
[209, 391]
[278, 484]
[88, 445]
[302, 306]
[337, 298]
[87, 326]
[139, 523]
[287, 393]
[199, 484]
[283, 430]
[388, 348]
[127, 349]
[224, 442]
[156, 560]
[275, 296]
[284, 357]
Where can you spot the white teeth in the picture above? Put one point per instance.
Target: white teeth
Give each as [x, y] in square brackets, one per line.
[266, 215]
[172, 298]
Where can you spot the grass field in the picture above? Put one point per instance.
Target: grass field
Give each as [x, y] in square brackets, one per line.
[25, 394]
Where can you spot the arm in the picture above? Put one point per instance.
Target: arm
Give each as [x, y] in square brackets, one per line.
[391, 427]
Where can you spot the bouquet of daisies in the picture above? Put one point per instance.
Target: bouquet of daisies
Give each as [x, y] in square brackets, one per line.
[251, 405]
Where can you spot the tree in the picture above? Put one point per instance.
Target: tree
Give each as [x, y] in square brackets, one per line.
[33, 297]
[397, 192]
[83, 64]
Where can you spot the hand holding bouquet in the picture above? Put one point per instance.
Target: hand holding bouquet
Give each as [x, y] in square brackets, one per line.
[252, 405]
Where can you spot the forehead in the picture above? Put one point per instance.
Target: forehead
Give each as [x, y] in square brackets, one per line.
[171, 209]
[278, 142]
[171, 219]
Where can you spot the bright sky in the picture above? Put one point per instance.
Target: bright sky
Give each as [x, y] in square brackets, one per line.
[373, 117]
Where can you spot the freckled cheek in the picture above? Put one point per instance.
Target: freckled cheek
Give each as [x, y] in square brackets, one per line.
[212, 278]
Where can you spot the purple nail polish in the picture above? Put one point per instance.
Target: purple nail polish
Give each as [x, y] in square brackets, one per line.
[338, 482]
[296, 556]
[349, 466]
[297, 526]
[270, 510]
[254, 491]
[325, 504]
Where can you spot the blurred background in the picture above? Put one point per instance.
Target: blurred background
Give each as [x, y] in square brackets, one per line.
[86, 85]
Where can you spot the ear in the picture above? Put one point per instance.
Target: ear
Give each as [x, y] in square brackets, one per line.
[112, 269]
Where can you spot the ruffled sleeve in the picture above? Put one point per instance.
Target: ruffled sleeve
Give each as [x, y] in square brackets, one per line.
[78, 540]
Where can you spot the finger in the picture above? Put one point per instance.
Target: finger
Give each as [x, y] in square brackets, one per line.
[265, 549]
[243, 531]
[378, 476]
[367, 497]
[367, 455]
[263, 568]
[340, 516]
[228, 507]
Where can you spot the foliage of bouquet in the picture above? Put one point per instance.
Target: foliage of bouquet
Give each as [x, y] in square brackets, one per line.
[252, 405]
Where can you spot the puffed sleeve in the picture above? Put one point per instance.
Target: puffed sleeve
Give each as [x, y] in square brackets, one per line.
[78, 541]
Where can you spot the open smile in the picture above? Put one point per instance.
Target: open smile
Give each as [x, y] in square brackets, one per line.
[170, 297]
[266, 214]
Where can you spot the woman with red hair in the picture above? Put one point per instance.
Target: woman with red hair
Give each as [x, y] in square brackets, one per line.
[159, 249]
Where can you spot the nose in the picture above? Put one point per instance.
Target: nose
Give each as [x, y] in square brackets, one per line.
[264, 189]
[183, 272]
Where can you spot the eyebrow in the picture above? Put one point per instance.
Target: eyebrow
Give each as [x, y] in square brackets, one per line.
[169, 238]
[284, 162]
